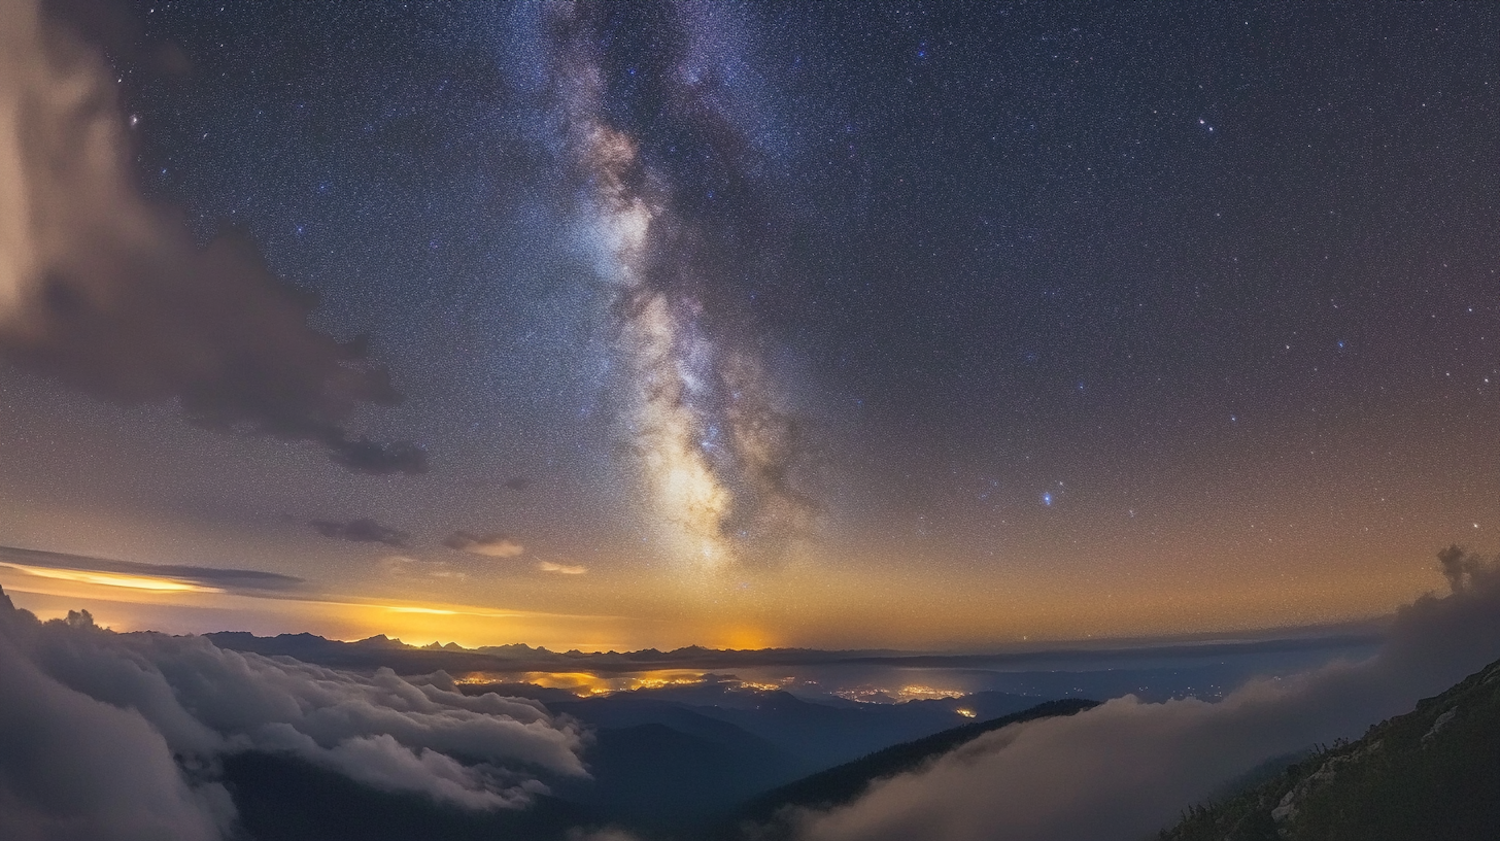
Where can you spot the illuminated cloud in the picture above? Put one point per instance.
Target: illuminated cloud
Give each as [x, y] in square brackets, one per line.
[489, 545]
[562, 569]
[115, 579]
[428, 611]
[1127, 768]
[165, 578]
[96, 724]
[112, 296]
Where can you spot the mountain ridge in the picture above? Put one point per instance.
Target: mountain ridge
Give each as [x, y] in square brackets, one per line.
[843, 783]
[1432, 774]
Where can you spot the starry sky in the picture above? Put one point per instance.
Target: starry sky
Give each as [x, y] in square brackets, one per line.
[942, 325]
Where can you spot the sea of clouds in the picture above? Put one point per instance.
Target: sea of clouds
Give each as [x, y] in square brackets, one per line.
[118, 736]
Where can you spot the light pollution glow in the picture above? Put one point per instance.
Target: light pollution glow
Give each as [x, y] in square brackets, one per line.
[590, 683]
[585, 683]
[909, 692]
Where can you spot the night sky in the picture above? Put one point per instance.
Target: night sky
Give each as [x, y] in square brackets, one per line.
[942, 325]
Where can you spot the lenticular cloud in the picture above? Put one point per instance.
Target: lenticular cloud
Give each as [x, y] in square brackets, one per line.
[116, 736]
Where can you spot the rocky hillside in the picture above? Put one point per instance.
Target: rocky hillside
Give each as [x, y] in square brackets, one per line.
[1429, 775]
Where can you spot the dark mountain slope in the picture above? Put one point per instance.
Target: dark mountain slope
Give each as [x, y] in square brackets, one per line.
[825, 736]
[282, 798]
[845, 782]
[655, 776]
[1430, 775]
[809, 735]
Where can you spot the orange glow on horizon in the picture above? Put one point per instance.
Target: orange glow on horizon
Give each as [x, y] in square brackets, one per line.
[746, 639]
[819, 603]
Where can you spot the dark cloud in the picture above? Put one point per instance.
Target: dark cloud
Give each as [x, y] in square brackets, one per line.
[517, 483]
[112, 296]
[362, 530]
[366, 456]
[114, 736]
[244, 581]
[493, 545]
[1458, 565]
[1127, 768]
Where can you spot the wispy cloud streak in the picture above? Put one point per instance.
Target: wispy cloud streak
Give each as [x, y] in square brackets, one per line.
[120, 573]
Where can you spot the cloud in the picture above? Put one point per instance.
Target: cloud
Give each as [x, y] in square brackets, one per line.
[77, 767]
[401, 566]
[491, 545]
[562, 569]
[517, 483]
[382, 762]
[1127, 768]
[361, 530]
[1458, 566]
[147, 576]
[112, 296]
[365, 456]
[114, 736]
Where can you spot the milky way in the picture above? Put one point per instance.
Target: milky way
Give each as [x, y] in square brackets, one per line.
[699, 415]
